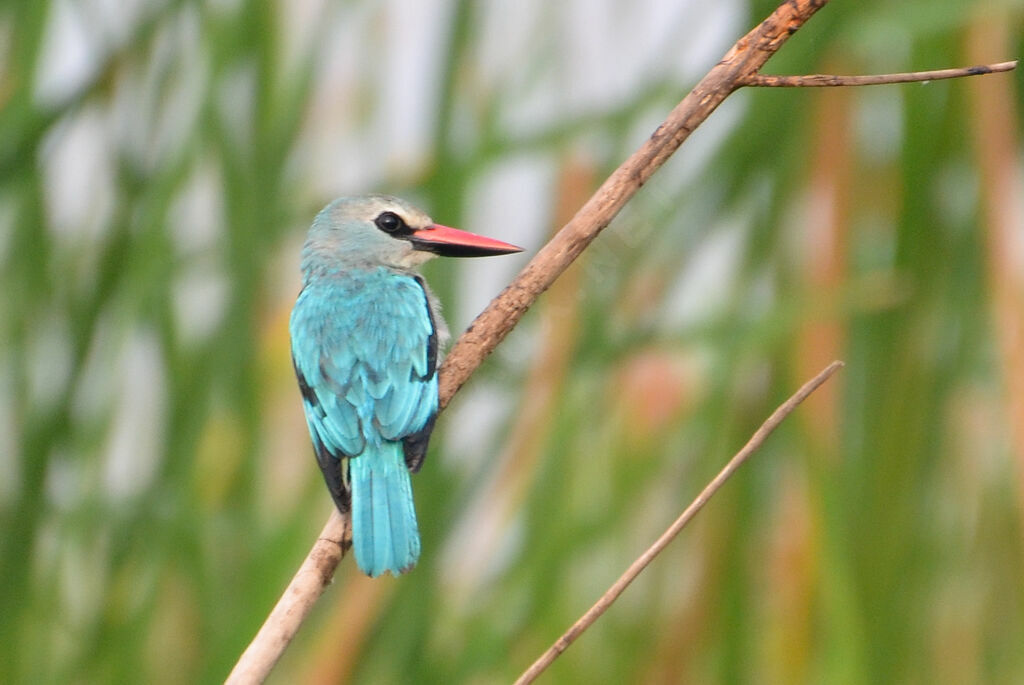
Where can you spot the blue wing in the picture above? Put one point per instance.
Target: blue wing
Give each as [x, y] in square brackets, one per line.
[364, 346]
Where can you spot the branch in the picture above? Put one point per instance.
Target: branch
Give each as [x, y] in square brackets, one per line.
[827, 80]
[606, 600]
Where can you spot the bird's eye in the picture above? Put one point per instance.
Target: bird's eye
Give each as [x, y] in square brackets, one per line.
[389, 222]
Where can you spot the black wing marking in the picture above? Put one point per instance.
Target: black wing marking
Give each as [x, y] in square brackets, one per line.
[432, 340]
[415, 444]
[334, 470]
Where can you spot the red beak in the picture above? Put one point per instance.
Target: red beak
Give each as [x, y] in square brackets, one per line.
[451, 242]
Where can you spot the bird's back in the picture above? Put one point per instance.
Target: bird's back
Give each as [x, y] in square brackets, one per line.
[364, 346]
[364, 342]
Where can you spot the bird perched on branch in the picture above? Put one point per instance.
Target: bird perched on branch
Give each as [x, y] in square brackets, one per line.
[365, 335]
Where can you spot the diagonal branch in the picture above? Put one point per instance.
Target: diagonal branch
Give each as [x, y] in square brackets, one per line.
[619, 586]
[736, 69]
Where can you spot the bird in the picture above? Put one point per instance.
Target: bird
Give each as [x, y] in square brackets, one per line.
[365, 337]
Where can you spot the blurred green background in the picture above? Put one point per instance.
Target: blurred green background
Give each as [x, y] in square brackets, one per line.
[160, 162]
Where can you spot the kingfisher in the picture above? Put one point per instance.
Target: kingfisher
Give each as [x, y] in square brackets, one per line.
[365, 334]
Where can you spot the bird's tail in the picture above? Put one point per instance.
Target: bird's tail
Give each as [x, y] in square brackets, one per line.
[384, 531]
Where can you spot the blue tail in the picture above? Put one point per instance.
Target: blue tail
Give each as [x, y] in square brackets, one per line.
[384, 531]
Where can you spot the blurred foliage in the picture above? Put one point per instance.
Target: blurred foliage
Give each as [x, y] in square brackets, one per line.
[158, 164]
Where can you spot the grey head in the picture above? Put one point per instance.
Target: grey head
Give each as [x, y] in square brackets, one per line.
[380, 230]
[353, 232]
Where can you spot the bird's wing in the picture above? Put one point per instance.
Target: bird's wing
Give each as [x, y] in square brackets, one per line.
[329, 445]
[334, 425]
[367, 367]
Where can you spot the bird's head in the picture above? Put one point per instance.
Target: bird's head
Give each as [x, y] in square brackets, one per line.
[380, 230]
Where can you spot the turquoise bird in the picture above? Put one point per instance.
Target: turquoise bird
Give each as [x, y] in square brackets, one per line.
[365, 335]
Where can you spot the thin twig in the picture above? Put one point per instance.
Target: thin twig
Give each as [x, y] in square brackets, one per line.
[827, 80]
[606, 600]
